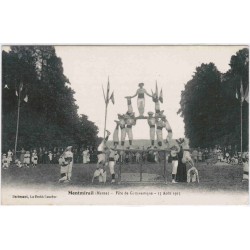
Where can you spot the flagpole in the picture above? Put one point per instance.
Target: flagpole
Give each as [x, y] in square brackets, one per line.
[18, 115]
[241, 102]
[106, 108]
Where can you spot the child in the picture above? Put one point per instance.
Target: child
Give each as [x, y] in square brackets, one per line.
[26, 161]
[9, 156]
[5, 162]
[18, 163]
[228, 160]
[34, 158]
[193, 175]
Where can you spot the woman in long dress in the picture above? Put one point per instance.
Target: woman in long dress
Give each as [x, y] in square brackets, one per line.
[181, 175]
[22, 155]
[85, 156]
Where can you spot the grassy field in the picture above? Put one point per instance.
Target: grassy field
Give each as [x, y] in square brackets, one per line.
[212, 177]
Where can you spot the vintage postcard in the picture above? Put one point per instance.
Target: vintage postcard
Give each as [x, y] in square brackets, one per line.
[125, 125]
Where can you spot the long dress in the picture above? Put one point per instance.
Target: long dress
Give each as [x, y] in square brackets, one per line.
[181, 175]
[22, 156]
[85, 156]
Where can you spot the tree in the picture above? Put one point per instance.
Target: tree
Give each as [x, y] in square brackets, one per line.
[200, 99]
[50, 117]
[209, 106]
[231, 84]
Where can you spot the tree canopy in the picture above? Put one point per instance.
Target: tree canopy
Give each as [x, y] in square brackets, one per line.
[50, 117]
[209, 107]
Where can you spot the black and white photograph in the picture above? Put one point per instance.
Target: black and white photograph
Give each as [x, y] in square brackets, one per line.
[125, 124]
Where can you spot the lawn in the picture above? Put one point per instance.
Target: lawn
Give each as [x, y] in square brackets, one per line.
[212, 177]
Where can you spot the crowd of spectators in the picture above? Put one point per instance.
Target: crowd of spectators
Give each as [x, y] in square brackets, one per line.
[89, 155]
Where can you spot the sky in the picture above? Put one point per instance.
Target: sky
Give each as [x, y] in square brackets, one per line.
[88, 69]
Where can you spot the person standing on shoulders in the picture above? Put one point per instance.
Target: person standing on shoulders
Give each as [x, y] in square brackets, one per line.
[116, 133]
[159, 125]
[122, 124]
[141, 99]
[130, 122]
[151, 123]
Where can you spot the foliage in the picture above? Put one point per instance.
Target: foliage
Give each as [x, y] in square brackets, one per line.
[49, 118]
[209, 106]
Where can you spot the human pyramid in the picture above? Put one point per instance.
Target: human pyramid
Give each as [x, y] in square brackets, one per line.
[156, 120]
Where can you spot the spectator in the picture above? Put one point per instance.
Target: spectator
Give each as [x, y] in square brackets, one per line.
[40, 155]
[50, 155]
[181, 175]
[85, 154]
[138, 156]
[195, 155]
[206, 153]
[199, 156]
[9, 156]
[27, 159]
[22, 155]
[45, 157]
[5, 162]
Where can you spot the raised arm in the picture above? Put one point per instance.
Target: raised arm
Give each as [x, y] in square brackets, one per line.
[134, 94]
[147, 93]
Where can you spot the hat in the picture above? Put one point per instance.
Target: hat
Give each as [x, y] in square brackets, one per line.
[69, 148]
[120, 116]
[174, 147]
[141, 84]
[150, 113]
[4, 154]
[180, 140]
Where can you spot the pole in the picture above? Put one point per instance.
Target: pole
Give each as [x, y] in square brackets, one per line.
[120, 171]
[164, 167]
[18, 115]
[106, 109]
[241, 128]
